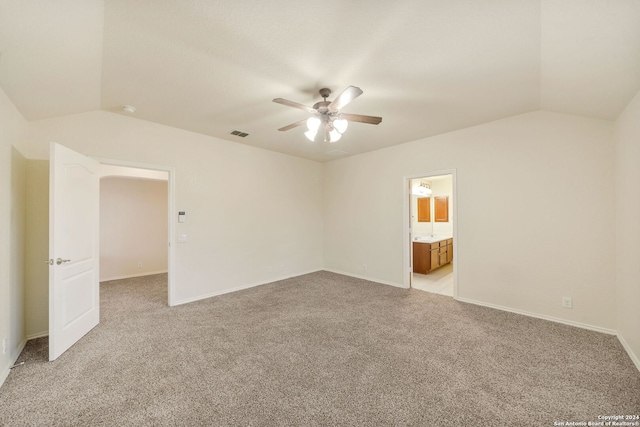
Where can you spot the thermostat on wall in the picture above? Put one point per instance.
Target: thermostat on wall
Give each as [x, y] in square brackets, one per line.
[181, 216]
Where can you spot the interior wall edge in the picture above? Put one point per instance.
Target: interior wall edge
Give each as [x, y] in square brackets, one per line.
[634, 357]
[4, 374]
[627, 231]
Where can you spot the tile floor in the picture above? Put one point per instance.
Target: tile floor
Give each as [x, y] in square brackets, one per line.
[439, 281]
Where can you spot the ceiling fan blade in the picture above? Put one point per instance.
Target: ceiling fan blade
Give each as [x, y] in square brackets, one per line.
[293, 125]
[294, 104]
[348, 95]
[372, 120]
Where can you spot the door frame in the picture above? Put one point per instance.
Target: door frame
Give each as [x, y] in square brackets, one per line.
[406, 228]
[171, 216]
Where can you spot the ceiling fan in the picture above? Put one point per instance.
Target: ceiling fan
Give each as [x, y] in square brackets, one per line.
[326, 114]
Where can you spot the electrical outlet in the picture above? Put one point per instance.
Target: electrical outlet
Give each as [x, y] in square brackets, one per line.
[139, 264]
[364, 267]
[567, 302]
[4, 345]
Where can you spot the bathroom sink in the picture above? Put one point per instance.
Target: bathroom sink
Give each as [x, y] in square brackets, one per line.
[430, 239]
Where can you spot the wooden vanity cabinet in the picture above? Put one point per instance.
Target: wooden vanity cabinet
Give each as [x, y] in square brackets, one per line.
[421, 257]
[430, 256]
[434, 256]
[443, 253]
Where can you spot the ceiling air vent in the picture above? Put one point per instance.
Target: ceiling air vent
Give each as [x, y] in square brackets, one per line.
[238, 133]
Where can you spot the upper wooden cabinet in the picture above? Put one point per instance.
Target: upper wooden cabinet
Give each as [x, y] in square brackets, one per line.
[441, 209]
[424, 209]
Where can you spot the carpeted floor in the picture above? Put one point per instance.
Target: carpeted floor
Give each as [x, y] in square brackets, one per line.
[319, 349]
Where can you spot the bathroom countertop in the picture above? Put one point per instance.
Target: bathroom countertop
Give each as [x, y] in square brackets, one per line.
[431, 239]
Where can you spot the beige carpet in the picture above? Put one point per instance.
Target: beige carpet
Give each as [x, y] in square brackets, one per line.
[320, 349]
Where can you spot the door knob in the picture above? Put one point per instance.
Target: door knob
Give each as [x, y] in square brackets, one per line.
[60, 261]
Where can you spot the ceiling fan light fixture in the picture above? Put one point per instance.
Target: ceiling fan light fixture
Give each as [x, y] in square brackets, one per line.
[311, 134]
[334, 135]
[340, 124]
[313, 123]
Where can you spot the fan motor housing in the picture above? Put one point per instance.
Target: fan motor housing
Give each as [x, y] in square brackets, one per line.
[322, 106]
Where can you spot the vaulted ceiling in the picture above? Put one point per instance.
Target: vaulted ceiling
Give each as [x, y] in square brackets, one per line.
[425, 66]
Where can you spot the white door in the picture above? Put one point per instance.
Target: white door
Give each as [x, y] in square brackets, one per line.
[74, 287]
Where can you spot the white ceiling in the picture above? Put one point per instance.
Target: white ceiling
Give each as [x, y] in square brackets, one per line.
[425, 66]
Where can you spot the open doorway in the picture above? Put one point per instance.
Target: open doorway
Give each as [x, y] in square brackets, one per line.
[430, 224]
[135, 222]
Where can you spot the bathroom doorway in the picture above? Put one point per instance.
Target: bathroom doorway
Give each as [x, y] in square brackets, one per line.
[430, 225]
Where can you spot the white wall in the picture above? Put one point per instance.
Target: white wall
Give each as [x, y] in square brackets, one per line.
[535, 199]
[253, 215]
[133, 227]
[627, 180]
[13, 136]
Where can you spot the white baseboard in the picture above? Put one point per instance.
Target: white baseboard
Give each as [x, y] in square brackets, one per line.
[370, 279]
[148, 273]
[539, 316]
[7, 369]
[37, 335]
[634, 357]
[240, 288]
